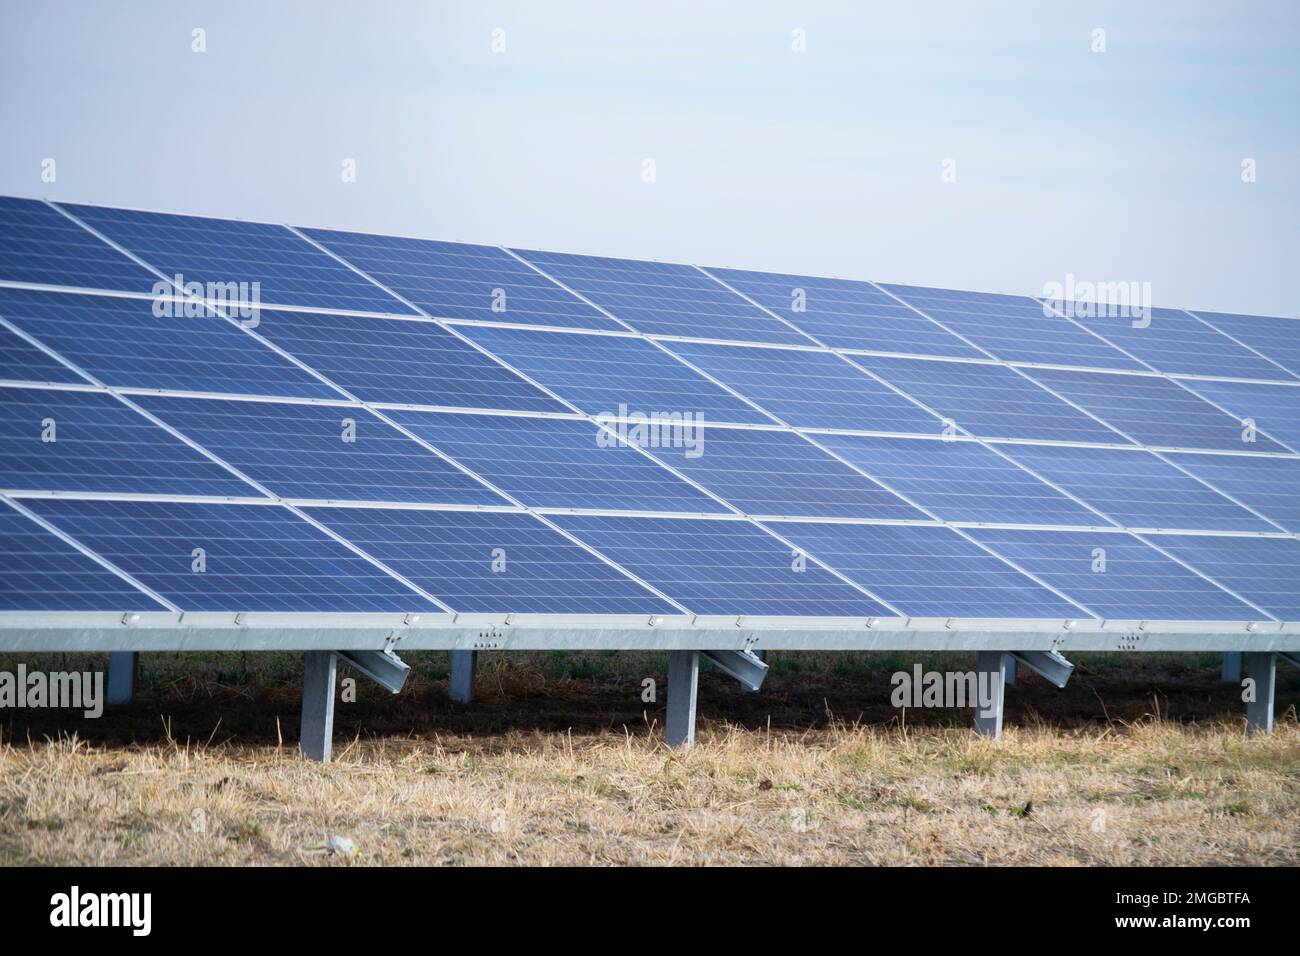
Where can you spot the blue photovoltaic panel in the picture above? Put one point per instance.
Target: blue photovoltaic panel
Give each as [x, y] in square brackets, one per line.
[23, 362]
[492, 562]
[1274, 410]
[1269, 485]
[809, 389]
[59, 440]
[557, 463]
[959, 480]
[41, 245]
[846, 314]
[664, 298]
[1173, 341]
[455, 280]
[1138, 583]
[779, 473]
[721, 567]
[290, 270]
[1015, 328]
[1136, 488]
[41, 572]
[403, 361]
[122, 343]
[1265, 571]
[299, 451]
[1153, 410]
[257, 557]
[990, 401]
[598, 373]
[1274, 337]
[927, 571]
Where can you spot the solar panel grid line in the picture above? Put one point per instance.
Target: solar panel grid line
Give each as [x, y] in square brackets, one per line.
[87, 552]
[344, 262]
[1277, 337]
[1167, 459]
[1293, 449]
[1290, 375]
[1222, 587]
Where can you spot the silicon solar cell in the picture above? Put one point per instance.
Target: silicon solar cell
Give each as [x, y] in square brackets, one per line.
[122, 343]
[809, 389]
[715, 566]
[1153, 410]
[41, 572]
[1274, 337]
[21, 361]
[959, 480]
[40, 245]
[455, 280]
[1173, 341]
[1137, 489]
[320, 451]
[779, 473]
[600, 373]
[664, 298]
[1269, 485]
[396, 360]
[289, 270]
[1014, 328]
[1265, 571]
[1137, 583]
[1274, 410]
[990, 401]
[557, 463]
[256, 557]
[846, 314]
[492, 562]
[927, 571]
[61, 440]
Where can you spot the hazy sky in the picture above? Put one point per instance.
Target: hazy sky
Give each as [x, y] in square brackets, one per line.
[1123, 165]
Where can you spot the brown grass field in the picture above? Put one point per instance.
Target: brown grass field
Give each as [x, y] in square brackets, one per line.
[1141, 760]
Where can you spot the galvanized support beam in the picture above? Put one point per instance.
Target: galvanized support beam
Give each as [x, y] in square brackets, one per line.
[1048, 664]
[123, 669]
[989, 675]
[316, 738]
[1261, 667]
[683, 688]
[383, 667]
[762, 656]
[1231, 670]
[742, 665]
[463, 665]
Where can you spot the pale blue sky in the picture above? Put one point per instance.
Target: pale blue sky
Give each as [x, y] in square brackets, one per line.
[1115, 166]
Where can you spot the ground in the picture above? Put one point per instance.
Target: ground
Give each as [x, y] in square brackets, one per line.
[1141, 760]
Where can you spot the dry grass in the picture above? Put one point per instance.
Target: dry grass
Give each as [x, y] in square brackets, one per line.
[809, 789]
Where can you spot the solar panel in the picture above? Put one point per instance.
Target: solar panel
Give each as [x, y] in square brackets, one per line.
[1274, 337]
[320, 451]
[40, 245]
[959, 480]
[122, 343]
[21, 361]
[809, 389]
[1265, 571]
[61, 440]
[492, 562]
[289, 270]
[1014, 328]
[455, 280]
[557, 463]
[1171, 340]
[846, 314]
[664, 298]
[41, 572]
[715, 566]
[927, 571]
[1136, 488]
[1269, 485]
[1272, 409]
[600, 373]
[253, 557]
[990, 401]
[1153, 410]
[396, 360]
[1115, 575]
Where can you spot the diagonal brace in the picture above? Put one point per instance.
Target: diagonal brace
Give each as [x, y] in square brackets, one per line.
[1048, 664]
[742, 665]
[384, 667]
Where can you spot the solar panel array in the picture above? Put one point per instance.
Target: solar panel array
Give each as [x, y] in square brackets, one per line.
[403, 425]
